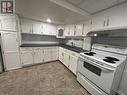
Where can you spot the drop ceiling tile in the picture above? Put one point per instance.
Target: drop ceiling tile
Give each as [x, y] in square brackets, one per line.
[93, 6]
[75, 2]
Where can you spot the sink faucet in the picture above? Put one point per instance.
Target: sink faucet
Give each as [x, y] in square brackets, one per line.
[72, 44]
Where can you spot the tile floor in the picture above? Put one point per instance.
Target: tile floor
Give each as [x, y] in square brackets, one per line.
[46, 79]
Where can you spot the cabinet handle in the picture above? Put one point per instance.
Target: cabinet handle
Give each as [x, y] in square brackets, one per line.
[108, 22]
[74, 33]
[32, 28]
[104, 23]
[69, 57]
[0, 24]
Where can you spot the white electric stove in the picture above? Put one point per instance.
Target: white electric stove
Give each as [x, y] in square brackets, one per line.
[100, 69]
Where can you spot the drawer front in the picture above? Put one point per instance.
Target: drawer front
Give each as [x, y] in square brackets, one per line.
[26, 49]
[90, 87]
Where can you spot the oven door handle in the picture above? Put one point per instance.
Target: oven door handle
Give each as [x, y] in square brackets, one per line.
[105, 68]
[100, 66]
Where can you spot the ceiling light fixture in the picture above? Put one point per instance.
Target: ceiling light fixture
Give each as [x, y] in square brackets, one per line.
[48, 20]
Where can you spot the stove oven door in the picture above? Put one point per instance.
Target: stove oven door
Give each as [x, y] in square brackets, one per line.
[101, 77]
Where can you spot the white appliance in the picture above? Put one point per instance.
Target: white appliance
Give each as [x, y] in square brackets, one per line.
[100, 70]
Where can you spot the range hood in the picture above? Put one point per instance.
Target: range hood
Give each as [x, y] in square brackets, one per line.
[108, 33]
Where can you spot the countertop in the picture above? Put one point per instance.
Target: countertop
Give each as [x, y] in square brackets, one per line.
[72, 48]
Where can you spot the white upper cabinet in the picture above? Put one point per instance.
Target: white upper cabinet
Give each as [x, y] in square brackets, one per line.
[8, 24]
[72, 29]
[87, 27]
[26, 26]
[67, 30]
[49, 29]
[113, 18]
[118, 16]
[99, 21]
[78, 30]
[37, 27]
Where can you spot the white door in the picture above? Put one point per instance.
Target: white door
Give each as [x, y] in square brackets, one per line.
[11, 50]
[37, 55]
[38, 28]
[27, 58]
[78, 30]
[73, 63]
[26, 26]
[8, 24]
[66, 59]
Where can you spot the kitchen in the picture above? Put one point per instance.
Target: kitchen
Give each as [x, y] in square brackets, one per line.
[63, 47]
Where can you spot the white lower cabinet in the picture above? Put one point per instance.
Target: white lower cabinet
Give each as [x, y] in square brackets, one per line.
[54, 53]
[47, 55]
[66, 59]
[73, 64]
[27, 58]
[61, 55]
[37, 55]
[69, 59]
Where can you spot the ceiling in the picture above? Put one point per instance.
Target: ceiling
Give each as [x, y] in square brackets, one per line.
[43, 9]
[94, 6]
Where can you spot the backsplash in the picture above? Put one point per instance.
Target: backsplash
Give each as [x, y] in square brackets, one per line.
[77, 43]
[116, 41]
[38, 39]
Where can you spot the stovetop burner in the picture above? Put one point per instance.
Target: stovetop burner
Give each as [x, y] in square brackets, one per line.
[109, 61]
[112, 58]
[90, 53]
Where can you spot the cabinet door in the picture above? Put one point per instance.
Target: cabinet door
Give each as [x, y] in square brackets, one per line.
[47, 55]
[26, 26]
[37, 28]
[78, 30]
[73, 63]
[66, 59]
[72, 29]
[27, 58]
[38, 56]
[8, 24]
[61, 55]
[54, 54]
[11, 51]
[49, 29]
[67, 30]
[0, 24]
[12, 61]
[99, 22]
[118, 17]
[86, 27]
